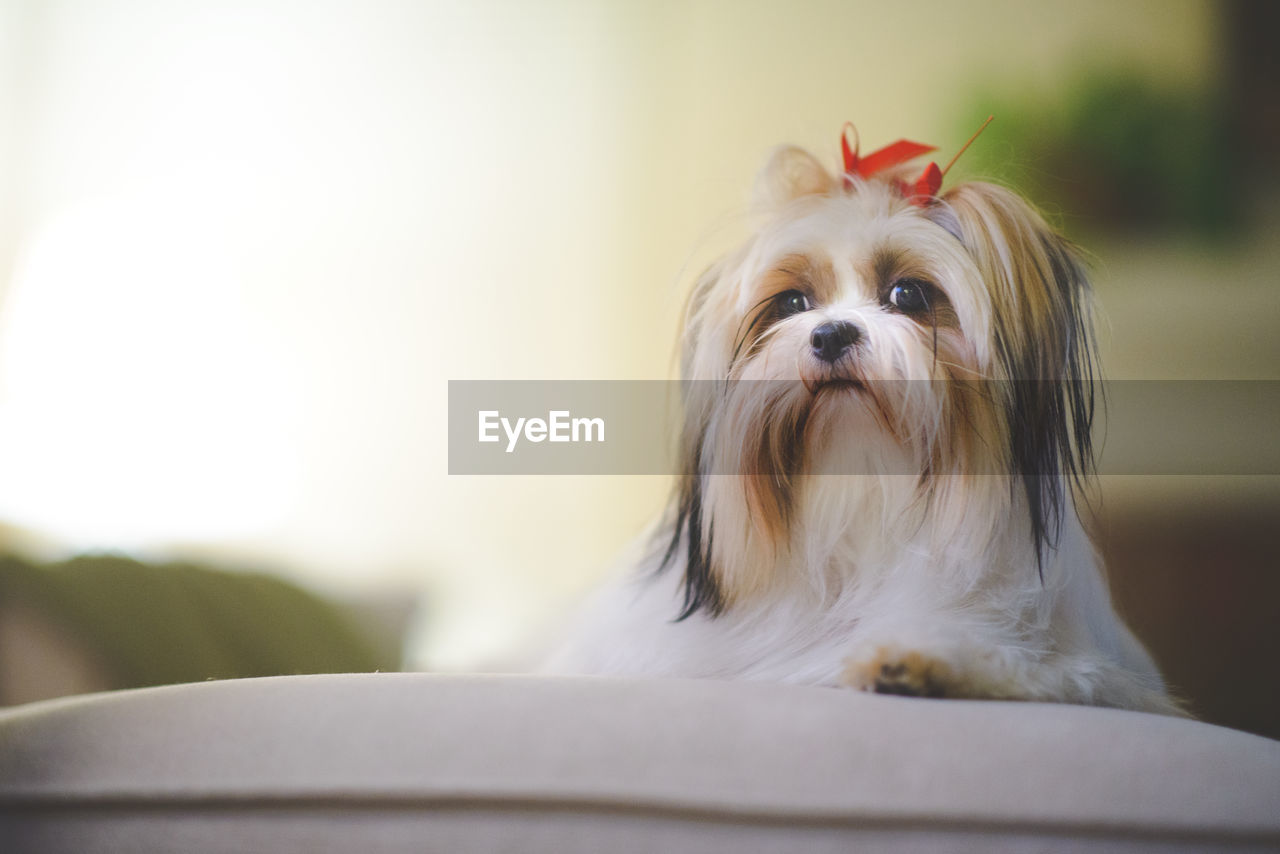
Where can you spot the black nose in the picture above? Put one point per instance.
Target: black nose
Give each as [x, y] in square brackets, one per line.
[832, 338]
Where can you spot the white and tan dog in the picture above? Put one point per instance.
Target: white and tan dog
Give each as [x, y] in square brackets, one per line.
[887, 422]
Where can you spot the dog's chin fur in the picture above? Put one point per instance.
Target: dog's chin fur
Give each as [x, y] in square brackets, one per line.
[901, 518]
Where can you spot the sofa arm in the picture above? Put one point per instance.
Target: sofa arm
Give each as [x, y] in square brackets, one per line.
[416, 762]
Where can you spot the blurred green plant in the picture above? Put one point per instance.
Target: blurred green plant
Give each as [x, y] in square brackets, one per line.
[157, 624]
[1114, 152]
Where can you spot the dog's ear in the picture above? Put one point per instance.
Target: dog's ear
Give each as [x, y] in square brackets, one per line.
[789, 173]
[1043, 345]
[686, 540]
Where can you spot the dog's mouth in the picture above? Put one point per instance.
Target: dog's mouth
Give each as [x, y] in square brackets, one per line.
[839, 376]
[837, 386]
[818, 385]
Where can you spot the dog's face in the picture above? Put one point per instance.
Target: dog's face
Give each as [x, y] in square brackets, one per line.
[862, 357]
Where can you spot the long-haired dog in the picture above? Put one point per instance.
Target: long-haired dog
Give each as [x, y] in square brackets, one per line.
[888, 412]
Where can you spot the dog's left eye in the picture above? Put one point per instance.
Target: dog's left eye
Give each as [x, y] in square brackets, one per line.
[909, 296]
[792, 302]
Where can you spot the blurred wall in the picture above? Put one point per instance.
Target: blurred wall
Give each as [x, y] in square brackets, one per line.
[245, 245]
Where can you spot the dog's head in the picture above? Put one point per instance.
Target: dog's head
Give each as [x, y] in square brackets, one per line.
[866, 359]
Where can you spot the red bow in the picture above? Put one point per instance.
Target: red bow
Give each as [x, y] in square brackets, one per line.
[924, 190]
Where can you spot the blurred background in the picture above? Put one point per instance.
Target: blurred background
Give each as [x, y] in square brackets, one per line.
[245, 245]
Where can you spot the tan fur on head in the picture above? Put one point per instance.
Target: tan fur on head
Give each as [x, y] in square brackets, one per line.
[936, 392]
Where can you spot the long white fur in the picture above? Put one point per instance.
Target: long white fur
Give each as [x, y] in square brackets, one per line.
[868, 566]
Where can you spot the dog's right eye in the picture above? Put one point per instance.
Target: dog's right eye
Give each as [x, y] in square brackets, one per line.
[792, 302]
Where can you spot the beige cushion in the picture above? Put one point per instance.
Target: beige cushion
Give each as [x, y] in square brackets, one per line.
[414, 762]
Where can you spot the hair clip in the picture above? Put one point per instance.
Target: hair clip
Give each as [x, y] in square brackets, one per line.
[924, 190]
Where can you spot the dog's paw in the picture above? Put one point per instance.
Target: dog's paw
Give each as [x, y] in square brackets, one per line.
[893, 671]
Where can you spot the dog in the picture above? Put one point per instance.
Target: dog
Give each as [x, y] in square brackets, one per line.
[887, 414]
